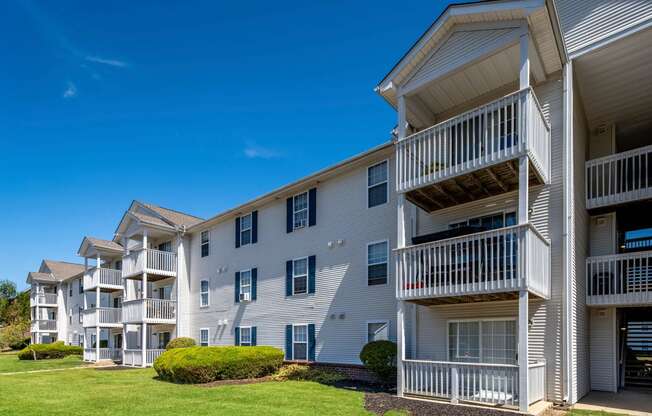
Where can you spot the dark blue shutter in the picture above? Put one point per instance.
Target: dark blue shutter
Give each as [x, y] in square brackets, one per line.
[254, 283]
[312, 260]
[237, 232]
[253, 336]
[288, 278]
[311, 342]
[288, 342]
[237, 287]
[312, 207]
[254, 227]
[237, 335]
[289, 223]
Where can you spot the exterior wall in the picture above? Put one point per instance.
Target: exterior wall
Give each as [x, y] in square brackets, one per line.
[602, 232]
[604, 353]
[341, 272]
[75, 303]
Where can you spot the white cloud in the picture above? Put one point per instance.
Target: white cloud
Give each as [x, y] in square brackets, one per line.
[104, 61]
[253, 151]
[71, 91]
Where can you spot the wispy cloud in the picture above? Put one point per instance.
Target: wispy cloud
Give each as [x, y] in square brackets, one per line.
[104, 61]
[253, 151]
[70, 92]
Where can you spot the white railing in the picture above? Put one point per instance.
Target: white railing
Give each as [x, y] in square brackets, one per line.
[619, 178]
[146, 310]
[149, 260]
[505, 259]
[44, 325]
[537, 381]
[102, 277]
[44, 299]
[501, 130]
[102, 316]
[133, 358]
[152, 355]
[90, 354]
[619, 279]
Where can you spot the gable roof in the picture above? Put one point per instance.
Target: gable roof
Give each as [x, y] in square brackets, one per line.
[63, 270]
[99, 245]
[175, 217]
[40, 277]
[105, 244]
[156, 216]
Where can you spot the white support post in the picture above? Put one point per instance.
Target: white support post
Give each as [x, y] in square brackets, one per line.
[144, 342]
[524, 68]
[400, 342]
[523, 190]
[144, 315]
[523, 322]
[97, 319]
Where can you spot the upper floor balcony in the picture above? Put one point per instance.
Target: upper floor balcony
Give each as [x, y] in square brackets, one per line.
[487, 265]
[46, 300]
[103, 278]
[103, 317]
[474, 155]
[619, 279]
[619, 178]
[44, 325]
[155, 311]
[156, 263]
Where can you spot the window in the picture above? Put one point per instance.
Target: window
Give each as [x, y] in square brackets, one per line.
[300, 210]
[70, 289]
[377, 331]
[166, 246]
[377, 255]
[203, 293]
[81, 286]
[300, 342]
[205, 243]
[489, 222]
[300, 276]
[203, 337]
[488, 341]
[245, 285]
[163, 340]
[69, 317]
[80, 313]
[377, 184]
[245, 229]
[118, 264]
[245, 336]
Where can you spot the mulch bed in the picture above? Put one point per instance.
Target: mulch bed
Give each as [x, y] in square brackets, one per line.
[380, 403]
[236, 382]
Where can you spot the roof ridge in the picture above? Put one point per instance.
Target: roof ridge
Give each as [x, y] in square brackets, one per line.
[147, 204]
[62, 261]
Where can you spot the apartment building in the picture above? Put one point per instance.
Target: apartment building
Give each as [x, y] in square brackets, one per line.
[500, 238]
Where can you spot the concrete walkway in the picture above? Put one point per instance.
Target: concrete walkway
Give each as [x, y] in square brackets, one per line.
[630, 402]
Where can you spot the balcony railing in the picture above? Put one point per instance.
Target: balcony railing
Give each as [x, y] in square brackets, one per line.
[493, 133]
[150, 261]
[619, 178]
[43, 299]
[502, 260]
[104, 278]
[44, 325]
[491, 384]
[102, 317]
[149, 311]
[134, 357]
[620, 279]
[90, 354]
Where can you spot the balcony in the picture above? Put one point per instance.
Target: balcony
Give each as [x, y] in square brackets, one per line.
[156, 311]
[103, 317]
[47, 300]
[159, 264]
[90, 354]
[472, 156]
[103, 278]
[619, 279]
[488, 265]
[44, 325]
[619, 178]
[489, 384]
[134, 358]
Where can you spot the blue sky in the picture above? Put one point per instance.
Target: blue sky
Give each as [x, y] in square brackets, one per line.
[196, 106]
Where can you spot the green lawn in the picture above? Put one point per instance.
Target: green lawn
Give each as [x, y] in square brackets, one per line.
[10, 363]
[128, 392]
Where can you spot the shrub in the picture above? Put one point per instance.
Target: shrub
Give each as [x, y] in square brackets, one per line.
[380, 358]
[298, 372]
[48, 351]
[182, 342]
[206, 364]
[20, 344]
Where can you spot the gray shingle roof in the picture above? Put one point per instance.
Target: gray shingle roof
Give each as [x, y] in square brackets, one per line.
[63, 270]
[105, 244]
[176, 217]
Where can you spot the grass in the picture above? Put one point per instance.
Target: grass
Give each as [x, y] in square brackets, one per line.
[9, 363]
[128, 392]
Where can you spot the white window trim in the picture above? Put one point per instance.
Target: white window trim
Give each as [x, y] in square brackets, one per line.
[307, 209]
[208, 337]
[203, 243]
[249, 328]
[379, 183]
[480, 320]
[250, 229]
[294, 275]
[307, 341]
[250, 285]
[367, 262]
[377, 321]
[208, 293]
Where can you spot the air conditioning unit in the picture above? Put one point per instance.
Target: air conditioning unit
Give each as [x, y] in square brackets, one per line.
[244, 297]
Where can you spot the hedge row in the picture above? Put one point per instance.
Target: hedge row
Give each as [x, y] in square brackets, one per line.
[206, 364]
[48, 351]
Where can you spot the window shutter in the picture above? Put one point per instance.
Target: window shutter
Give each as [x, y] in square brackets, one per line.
[237, 335]
[288, 278]
[237, 287]
[254, 227]
[289, 223]
[253, 336]
[312, 207]
[237, 232]
[311, 342]
[254, 283]
[288, 342]
[312, 260]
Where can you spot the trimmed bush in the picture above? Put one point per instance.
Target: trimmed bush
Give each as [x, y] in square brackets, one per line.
[380, 358]
[296, 372]
[48, 351]
[182, 342]
[206, 364]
